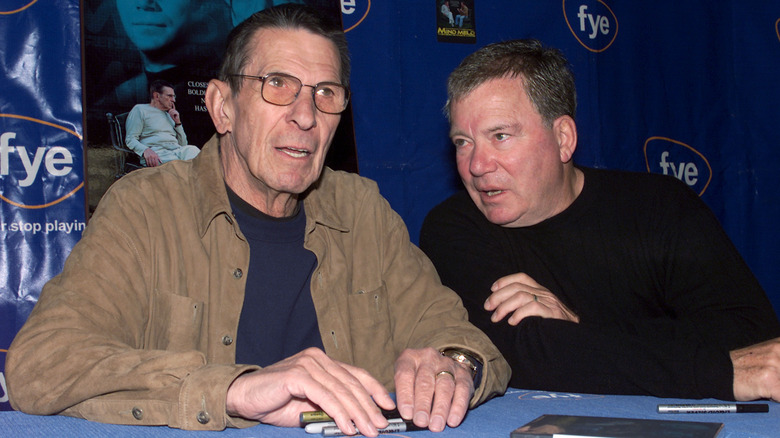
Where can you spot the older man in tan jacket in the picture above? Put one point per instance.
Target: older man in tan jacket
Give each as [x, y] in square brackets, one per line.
[146, 321]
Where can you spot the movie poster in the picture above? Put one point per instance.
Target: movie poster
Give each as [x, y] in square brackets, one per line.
[456, 21]
[130, 43]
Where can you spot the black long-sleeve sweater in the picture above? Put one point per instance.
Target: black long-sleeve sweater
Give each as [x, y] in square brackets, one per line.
[661, 292]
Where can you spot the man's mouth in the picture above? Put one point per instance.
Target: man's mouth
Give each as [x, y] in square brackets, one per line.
[493, 192]
[295, 153]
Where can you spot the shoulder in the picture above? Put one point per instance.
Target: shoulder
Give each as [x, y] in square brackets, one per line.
[458, 204]
[641, 194]
[339, 186]
[452, 216]
[151, 186]
[141, 109]
[349, 201]
[635, 184]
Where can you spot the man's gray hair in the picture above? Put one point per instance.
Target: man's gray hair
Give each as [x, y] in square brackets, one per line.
[545, 73]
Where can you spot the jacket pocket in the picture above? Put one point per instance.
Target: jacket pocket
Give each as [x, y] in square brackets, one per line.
[175, 322]
[369, 307]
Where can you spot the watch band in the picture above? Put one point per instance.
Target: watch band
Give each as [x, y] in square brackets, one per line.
[465, 359]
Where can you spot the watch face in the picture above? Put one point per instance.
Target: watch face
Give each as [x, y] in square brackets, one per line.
[463, 359]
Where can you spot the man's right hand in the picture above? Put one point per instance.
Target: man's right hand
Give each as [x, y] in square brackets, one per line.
[151, 157]
[519, 296]
[308, 381]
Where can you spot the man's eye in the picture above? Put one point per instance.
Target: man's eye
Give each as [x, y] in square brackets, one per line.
[276, 81]
[502, 137]
[325, 91]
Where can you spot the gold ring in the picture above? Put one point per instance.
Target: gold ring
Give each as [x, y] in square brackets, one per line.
[445, 372]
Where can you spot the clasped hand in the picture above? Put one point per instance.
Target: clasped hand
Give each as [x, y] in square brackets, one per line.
[519, 296]
[310, 380]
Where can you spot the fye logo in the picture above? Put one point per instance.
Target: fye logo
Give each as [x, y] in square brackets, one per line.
[47, 161]
[592, 23]
[670, 157]
[539, 395]
[777, 28]
[13, 6]
[353, 12]
[58, 160]
[3, 390]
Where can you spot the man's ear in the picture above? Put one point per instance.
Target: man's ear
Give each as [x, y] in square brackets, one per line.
[218, 97]
[565, 130]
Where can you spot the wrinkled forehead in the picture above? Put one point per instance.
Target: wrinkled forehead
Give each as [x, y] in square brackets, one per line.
[292, 50]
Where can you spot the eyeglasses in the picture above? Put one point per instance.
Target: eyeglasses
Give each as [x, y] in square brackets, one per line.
[282, 89]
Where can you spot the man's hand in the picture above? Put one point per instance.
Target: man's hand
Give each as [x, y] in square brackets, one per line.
[522, 296]
[174, 114]
[151, 157]
[757, 371]
[432, 389]
[307, 381]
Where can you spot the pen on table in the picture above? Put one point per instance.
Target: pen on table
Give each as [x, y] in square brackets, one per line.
[321, 416]
[394, 427]
[318, 427]
[721, 408]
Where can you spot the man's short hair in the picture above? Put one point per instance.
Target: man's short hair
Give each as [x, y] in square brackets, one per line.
[545, 72]
[157, 87]
[286, 16]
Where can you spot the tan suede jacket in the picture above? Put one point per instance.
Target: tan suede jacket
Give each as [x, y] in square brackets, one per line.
[139, 328]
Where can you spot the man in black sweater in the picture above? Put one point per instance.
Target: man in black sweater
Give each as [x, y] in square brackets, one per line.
[588, 280]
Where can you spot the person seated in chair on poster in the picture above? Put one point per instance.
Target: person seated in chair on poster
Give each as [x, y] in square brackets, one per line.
[462, 13]
[154, 130]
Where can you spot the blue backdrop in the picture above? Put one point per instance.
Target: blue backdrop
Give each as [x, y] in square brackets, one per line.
[685, 88]
[689, 88]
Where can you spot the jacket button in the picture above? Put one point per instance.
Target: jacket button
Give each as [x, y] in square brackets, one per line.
[138, 413]
[238, 273]
[227, 340]
[203, 417]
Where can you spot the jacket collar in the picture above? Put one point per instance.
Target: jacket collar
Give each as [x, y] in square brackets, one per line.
[209, 189]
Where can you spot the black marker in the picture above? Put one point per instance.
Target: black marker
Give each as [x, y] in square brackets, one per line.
[321, 416]
[724, 408]
[394, 427]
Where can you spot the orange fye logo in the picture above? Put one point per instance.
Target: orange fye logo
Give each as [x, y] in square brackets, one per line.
[670, 157]
[353, 12]
[777, 28]
[14, 6]
[592, 23]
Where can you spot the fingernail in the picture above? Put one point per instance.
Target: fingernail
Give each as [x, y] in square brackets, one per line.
[420, 418]
[437, 424]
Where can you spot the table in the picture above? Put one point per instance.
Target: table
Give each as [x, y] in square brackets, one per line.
[496, 418]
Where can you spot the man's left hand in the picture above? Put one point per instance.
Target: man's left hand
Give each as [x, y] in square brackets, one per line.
[431, 389]
[757, 371]
[520, 296]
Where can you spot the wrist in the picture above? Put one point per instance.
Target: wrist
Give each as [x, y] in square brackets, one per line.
[467, 361]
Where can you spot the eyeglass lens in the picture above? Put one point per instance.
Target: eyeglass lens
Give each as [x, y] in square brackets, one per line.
[281, 89]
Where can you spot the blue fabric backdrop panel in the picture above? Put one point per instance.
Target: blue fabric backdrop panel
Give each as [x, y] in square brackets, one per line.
[688, 88]
[42, 200]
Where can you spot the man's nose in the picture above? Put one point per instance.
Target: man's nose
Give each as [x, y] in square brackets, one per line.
[481, 160]
[304, 110]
